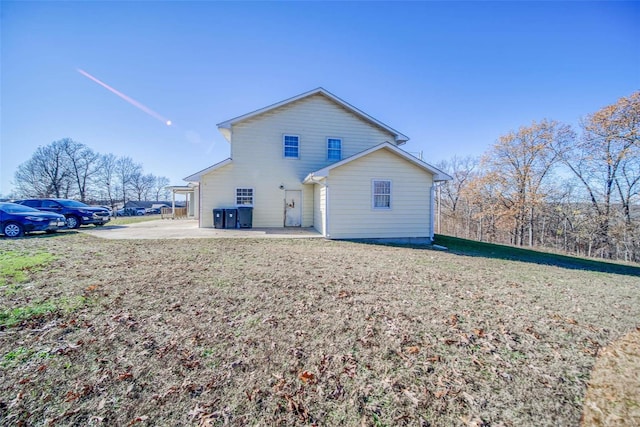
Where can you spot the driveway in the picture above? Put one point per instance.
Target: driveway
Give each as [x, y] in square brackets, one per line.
[188, 229]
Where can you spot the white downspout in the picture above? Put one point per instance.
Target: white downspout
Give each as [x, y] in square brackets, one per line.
[431, 210]
[326, 208]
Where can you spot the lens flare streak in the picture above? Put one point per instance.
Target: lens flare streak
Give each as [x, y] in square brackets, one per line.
[130, 100]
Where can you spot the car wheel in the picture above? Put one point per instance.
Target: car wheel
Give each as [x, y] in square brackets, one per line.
[13, 229]
[73, 221]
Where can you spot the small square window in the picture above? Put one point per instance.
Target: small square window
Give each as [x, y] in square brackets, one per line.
[381, 194]
[291, 145]
[334, 149]
[244, 196]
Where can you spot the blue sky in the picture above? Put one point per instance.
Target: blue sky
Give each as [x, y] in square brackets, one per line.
[453, 76]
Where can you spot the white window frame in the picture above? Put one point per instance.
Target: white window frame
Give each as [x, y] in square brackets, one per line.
[238, 196]
[374, 194]
[332, 138]
[284, 146]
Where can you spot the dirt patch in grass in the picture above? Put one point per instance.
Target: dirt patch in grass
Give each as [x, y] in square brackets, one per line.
[613, 394]
[302, 332]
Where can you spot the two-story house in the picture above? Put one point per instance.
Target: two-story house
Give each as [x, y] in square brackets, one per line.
[316, 161]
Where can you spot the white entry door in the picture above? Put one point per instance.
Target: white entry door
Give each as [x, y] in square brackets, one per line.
[292, 208]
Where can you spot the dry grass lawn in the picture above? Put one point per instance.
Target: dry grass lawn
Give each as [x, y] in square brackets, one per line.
[298, 332]
[613, 394]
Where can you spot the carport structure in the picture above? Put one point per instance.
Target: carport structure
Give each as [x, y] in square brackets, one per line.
[191, 208]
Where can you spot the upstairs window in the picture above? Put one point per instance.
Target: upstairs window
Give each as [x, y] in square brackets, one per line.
[244, 196]
[334, 149]
[381, 194]
[291, 145]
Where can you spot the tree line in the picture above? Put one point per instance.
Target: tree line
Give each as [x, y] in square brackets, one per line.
[71, 170]
[548, 185]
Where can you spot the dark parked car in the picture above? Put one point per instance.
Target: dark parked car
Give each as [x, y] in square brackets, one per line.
[76, 213]
[130, 212]
[16, 220]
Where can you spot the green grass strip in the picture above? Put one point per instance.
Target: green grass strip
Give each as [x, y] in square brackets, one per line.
[512, 253]
[15, 316]
[14, 265]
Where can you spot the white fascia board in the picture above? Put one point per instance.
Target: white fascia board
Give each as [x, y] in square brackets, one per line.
[440, 177]
[196, 176]
[316, 177]
[225, 127]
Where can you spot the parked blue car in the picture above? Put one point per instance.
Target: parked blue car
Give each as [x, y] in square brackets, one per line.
[76, 213]
[16, 220]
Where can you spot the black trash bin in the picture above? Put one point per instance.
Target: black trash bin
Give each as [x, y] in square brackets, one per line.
[230, 218]
[245, 217]
[218, 218]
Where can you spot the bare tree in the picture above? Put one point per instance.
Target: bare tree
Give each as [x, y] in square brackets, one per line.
[520, 161]
[486, 215]
[149, 185]
[125, 172]
[628, 183]
[82, 164]
[28, 180]
[67, 168]
[604, 158]
[142, 185]
[106, 177]
[515, 196]
[45, 174]
[463, 170]
[159, 189]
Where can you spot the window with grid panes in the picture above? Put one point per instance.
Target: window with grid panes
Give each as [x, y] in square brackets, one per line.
[381, 194]
[244, 196]
[334, 148]
[291, 145]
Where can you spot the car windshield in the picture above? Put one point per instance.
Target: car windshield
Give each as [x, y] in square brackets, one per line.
[15, 208]
[72, 204]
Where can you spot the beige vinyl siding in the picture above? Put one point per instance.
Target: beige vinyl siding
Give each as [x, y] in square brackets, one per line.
[217, 190]
[260, 139]
[319, 196]
[194, 204]
[259, 163]
[350, 198]
[307, 205]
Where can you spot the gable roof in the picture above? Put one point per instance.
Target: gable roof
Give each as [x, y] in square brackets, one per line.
[438, 175]
[225, 127]
[196, 176]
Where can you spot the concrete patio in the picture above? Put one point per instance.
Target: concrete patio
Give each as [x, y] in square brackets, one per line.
[188, 229]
